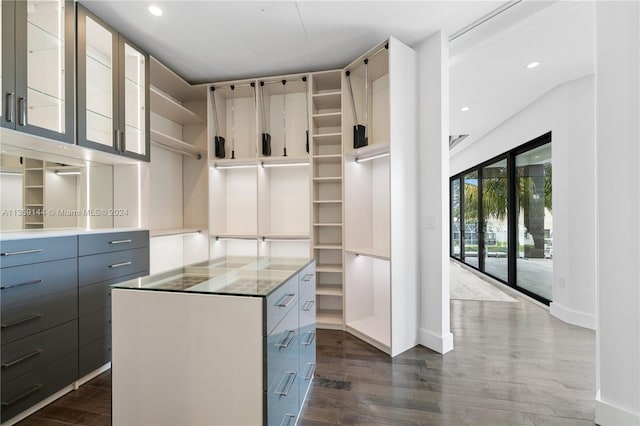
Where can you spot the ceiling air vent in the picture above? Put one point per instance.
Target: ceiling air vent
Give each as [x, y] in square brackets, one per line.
[455, 140]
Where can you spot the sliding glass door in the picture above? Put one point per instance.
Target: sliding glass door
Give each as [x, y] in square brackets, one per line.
[456, 220]
[495, 207]
[470, 224]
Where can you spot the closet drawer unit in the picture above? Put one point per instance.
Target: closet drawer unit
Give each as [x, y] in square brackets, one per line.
[35, 250]
[28, 389]
[94, 355]
[22, 283]
[102, 267]
[282, 347]
[109, 242]
[282, 399]
[96, 297]
[24, 319]
[280, 302]
[33, 352]
[307, 280]
[94, 326]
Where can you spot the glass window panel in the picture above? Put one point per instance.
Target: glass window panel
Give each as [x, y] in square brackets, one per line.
[134, 69]
[456, 219]
[471, 218]
[99, 80]
[1, 109]
[46, 64]
[495, 198]
[535, 221]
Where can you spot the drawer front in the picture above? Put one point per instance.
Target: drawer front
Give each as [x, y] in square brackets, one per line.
[102, 267]
[282, 400]
[112, 241]
[24, 319]
[94, 326]
[35, 250]
[96, 297]
[27, 390]
[282, 347]
[42, 348]
[22, 283]
[280, 302]
[94, 355]
[307, 279]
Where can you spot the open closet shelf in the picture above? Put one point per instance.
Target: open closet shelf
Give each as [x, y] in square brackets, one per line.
[329, 119]
[327, 247]
[327, 100]
[320, 180]
[174, 231]
[370, 151]
[327, 138]
[327, 202]
[173, 144]
[289, 161]
[375, 252]
[374, 330]
[332, 224]
[328, 158]
[329, 290]
[171, 109]
[173, 85]
[328, 267]
[329, 317]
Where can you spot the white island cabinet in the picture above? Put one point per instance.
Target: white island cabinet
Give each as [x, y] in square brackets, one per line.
[230, 341]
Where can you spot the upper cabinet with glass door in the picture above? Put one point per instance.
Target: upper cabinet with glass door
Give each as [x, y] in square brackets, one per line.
[38, 67]
[113, 90]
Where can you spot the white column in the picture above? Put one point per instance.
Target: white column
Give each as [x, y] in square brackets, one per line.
[433, 71]
[618, 212]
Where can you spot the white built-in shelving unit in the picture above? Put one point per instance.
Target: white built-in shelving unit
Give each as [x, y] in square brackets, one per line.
[33, 193]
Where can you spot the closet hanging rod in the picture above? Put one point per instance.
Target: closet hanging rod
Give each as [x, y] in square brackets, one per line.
[168, 147]
[228, 86]
[373, 55]
[264, 82]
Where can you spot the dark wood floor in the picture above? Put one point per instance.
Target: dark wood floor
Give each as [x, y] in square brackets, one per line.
[513, 364]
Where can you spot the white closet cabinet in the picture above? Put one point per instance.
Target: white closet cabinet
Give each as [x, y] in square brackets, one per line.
[380, 186]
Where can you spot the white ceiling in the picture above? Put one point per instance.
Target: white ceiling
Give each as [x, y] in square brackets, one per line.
[206, 41]
[491, 77]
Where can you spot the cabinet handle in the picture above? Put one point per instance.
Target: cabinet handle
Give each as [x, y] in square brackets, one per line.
[11, 107]
[22, 111]
[20, 321]
[310, 336]
[34, 389]
[123, 141]
[286, 342]
[311, 370]
[14, 253]
[117, 265]
[5, 287]
[117, 139]
[308, 277]
[119, 242]
[290, 380]
[286, 300]
[22, 358]
[286, 420]
[308, 305]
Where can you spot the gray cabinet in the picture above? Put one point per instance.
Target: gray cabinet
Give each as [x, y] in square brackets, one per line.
[38, 68]
[113, 90]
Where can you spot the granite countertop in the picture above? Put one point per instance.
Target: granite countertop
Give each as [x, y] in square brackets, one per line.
[23, 234]
[234, 275]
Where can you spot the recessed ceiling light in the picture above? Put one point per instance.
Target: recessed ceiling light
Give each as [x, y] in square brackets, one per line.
[533, 65]
[155, 10]
[464, 109]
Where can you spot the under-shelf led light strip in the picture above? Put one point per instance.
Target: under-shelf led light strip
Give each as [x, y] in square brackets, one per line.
[290, 164]
[371, 157]
[234, 166]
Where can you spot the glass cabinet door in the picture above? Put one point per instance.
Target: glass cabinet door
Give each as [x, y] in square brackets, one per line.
[133, 91]
[6, 65]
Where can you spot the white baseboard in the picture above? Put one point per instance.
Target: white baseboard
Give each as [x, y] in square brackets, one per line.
[608, 414]
[569, 316]
[440, 344]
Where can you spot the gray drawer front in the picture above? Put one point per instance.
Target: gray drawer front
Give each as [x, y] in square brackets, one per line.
[94, 326]
[24, 319]
[94, 355]
[34, 250]
[23, 283]
[95, 297]
[113, 241]
[280, 302]
[102, 267]
[27, 390]
[282, 347]
[307, 279]
[33, 352]
[282, 399]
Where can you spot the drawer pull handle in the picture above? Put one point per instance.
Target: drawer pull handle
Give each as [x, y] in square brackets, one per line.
[310, 370]
[308, 305]
[14, 253]
[117, 265]
[287, 420]
[20, 321]
[286, 300]
[289, 381]
[22, 358]
[4, 287]
[33, 390]
[307, 277]
[310, 336]
[286, 342]
[119, 242]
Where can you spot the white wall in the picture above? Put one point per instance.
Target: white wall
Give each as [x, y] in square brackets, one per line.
[618, 212]
[568, 111]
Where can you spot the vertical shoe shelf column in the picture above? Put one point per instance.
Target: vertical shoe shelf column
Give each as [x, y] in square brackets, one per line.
[33, 193]
[327, 210]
